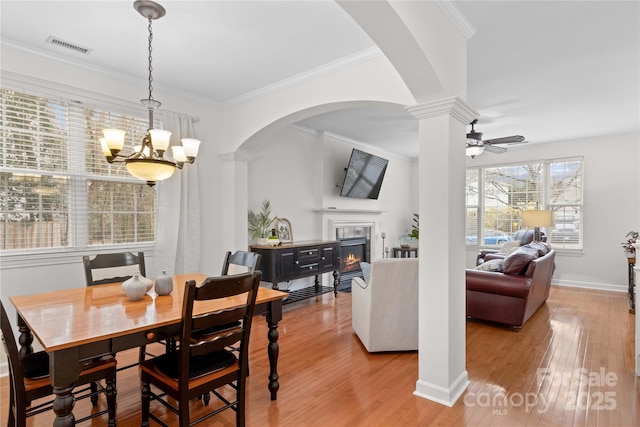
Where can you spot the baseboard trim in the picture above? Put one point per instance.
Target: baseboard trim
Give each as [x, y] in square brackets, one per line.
[444, 396]
[591, 285]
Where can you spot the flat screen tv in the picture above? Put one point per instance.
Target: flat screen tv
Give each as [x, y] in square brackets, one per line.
[364, 175]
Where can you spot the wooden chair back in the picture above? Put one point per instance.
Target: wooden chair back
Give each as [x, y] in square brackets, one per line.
[250, 261]
[109, 268]
[203, 362]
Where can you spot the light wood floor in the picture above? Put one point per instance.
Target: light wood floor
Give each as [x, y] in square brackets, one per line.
[328, 379]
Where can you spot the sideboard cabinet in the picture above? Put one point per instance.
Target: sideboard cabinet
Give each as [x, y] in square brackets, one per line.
[290, 261]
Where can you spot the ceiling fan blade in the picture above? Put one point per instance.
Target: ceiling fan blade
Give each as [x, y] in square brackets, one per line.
[494, 149]
[505, 140]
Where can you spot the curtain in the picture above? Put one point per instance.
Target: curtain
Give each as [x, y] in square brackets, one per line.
[178, 232]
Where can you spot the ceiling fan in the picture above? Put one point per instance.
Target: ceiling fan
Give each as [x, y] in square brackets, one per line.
[476, 145]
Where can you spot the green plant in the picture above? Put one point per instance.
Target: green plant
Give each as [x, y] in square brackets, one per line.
[415, 228]
[260, 223]
[631, 236]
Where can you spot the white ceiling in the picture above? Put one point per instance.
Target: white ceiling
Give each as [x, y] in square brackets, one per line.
[550, 71]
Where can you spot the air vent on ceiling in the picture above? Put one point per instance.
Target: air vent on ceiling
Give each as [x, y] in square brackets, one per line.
[58, 42]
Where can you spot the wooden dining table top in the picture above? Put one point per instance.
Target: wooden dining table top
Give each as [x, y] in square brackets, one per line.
[71, 317]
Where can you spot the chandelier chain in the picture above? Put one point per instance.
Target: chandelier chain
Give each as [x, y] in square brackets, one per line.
[150, 58]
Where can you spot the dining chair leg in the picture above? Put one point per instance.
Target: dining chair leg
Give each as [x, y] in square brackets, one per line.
[183, 413]
[146, 400]
[111, 398]
[94, 393]
[240, 406]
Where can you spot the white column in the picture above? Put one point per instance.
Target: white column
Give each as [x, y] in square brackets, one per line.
[442, 375]
[234, 201]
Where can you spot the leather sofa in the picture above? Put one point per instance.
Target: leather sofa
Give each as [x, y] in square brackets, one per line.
[384, 310]
[510, 298]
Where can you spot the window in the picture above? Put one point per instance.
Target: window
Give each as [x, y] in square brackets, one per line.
[56, 188]
[496, 196]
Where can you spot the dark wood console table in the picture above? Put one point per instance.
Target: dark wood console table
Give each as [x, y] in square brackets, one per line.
[290, 261]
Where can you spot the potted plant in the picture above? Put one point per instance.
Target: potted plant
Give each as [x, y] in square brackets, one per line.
[628, 245]
[415, 228]
[260, 223]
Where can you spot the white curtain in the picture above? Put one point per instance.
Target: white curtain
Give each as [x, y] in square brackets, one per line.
[178, 233]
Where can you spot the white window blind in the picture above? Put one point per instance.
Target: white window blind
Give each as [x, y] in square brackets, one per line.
[56, 188]
[496, 196]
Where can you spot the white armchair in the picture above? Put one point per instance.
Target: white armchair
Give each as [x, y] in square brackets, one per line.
[384, 312]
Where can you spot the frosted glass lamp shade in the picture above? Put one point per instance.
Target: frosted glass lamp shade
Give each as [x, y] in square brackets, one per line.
[191, 147]
[160, 139]
[150, 170]
[474, 150]
[114, 139]
[178, 153]
[104, 147]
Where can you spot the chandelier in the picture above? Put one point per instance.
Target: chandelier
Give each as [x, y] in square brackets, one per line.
[148, 161]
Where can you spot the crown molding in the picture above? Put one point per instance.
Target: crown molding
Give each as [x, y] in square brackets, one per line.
[455, 15]
[332, 67]
[42, 54]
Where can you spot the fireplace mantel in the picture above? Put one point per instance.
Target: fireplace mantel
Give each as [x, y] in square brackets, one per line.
[349, 211]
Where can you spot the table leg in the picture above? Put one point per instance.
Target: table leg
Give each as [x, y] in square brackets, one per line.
[336, 281]
[274, 315]
[64, 368]
[25, 339]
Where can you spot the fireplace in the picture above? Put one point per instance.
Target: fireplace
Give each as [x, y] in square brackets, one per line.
[355, 247]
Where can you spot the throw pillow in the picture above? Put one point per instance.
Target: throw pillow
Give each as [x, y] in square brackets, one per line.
[541, 247]
[366, 271]
[491, 265]
[518, 261]
[509, 247]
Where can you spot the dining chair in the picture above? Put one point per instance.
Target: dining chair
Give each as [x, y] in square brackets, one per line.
[203, 362]
[29, 380]
[240, 262]
[110, 268]
[116, 267]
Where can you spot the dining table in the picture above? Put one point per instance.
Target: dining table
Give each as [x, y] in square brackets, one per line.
[81, 323]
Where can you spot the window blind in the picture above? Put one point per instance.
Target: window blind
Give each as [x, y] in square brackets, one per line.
[496, 196]
[56, 188]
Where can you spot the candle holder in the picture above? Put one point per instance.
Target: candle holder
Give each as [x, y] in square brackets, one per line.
[383, 235]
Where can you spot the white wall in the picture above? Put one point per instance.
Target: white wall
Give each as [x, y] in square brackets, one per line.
[300, 173]
[611, 206]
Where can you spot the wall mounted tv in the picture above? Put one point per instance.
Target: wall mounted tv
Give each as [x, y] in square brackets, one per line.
[364, 175]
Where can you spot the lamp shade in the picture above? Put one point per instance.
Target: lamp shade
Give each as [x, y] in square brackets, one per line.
[178, 153]
[160, 138]
[114, 139]
[190, 147]
[537, 218]
[474, 150]
[150, 170]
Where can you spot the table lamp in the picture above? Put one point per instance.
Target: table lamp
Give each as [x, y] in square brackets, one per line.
[537, 219]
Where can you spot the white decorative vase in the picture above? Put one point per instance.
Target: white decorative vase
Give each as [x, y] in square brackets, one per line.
[164, 284]
[262, 241]
[135, 288]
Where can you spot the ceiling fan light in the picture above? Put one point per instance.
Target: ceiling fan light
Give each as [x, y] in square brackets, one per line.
[474, 150]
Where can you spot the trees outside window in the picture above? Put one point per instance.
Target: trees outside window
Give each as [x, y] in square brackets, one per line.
[497, 195]
[56, 189]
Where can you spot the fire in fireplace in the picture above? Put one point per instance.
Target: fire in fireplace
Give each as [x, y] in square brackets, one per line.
[355, 247]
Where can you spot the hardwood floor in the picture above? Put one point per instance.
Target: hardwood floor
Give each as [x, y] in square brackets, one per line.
[527, 378]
